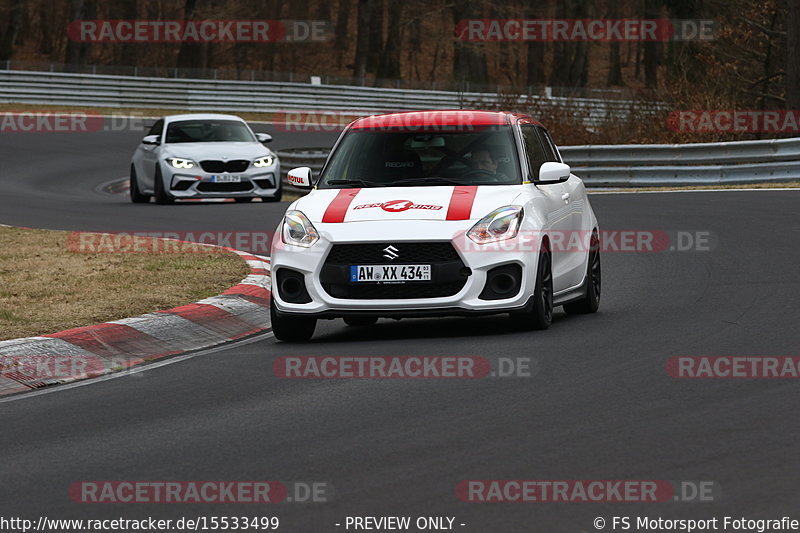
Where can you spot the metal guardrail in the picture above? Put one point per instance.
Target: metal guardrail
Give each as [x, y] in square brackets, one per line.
[59, 88]
[642, 165]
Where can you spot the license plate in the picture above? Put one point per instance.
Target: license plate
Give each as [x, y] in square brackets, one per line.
[390, 273]
[226, 179]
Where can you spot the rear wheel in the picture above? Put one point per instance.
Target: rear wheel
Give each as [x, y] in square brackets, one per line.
[162, 196]
[136, 196]
[292, 328]
[590, 302]
[539, 314]
[360, 321]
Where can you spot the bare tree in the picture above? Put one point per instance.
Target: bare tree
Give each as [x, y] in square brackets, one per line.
[793, 55]
[469, 59]
[15, 23]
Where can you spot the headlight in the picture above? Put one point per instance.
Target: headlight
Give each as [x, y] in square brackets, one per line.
[265, 161]
[501, 224]
[298, 230]
[177, 162]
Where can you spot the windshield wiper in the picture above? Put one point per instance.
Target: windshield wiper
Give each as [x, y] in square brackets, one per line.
[362, 183]
[428, 179]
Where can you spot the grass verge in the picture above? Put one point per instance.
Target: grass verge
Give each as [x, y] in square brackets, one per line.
[46, 286]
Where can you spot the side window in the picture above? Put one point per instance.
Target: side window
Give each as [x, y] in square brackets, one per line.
[157, 128]
[549, 148]
[534, 149]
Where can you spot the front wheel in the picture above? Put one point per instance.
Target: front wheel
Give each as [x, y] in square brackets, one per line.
[293, 328]
[591, 302]
[136, 196]
[539, 314]
[162, 196]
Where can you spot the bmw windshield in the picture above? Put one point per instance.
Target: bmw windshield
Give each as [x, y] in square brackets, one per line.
[198, 131]
[483, 155]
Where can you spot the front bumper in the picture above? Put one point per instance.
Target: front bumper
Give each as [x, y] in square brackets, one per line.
[476, 263]
[196, 183]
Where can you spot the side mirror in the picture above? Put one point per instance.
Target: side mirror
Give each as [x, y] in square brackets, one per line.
[300, 177]
[152, 139]
[551, 172]
[263, 137]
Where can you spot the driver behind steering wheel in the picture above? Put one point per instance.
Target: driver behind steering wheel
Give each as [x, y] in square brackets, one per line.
[485, 158]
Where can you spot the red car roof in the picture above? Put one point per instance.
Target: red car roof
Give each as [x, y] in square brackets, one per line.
[441, 118]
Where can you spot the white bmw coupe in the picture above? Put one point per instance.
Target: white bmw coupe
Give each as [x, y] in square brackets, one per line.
[204, 156]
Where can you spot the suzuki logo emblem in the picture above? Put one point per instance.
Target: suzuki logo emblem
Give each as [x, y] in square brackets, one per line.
[391, 253]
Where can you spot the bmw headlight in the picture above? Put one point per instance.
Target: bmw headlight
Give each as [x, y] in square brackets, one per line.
[501, 224]
[298, 230]
[265, 161]
[177, 162]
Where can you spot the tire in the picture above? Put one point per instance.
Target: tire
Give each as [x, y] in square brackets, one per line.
[539, 314]
[162, 196]
[136, 196]
[360, 321]
[591, 302]
[276, 198]
[243, 200]
[291, 328]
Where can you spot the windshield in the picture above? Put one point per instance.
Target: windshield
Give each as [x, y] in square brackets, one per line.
[485, 155]
[207, 131]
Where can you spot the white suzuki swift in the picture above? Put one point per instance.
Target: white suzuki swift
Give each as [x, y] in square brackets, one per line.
[436, 213]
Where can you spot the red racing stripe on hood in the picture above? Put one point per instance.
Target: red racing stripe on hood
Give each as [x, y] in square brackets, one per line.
[338, 206]
[461, 202]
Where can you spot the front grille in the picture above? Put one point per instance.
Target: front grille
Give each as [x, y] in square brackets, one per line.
[395, 292]
[448, 273]
[237, 165]
[207, 186]
[407, 253]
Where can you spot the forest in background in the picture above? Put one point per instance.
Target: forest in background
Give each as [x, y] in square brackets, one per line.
[753, 63]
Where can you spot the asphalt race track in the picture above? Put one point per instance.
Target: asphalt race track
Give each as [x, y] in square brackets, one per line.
[599, 406]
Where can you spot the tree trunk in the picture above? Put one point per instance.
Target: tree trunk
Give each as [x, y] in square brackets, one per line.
[469, 59]
[571, 59]
[375, 35]
[342, 37]
[652, 50]
[78, 53]
[389, 66]
[362, 39]
[535, 74]
[793, 55]
[614, 56]
[15, 23]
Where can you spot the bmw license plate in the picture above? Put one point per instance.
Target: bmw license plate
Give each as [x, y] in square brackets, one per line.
[390, 273]
[226, 178]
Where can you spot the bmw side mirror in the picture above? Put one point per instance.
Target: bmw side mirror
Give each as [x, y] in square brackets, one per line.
[552, 172]
[152, 139]
[263, 137]
[300, 177]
